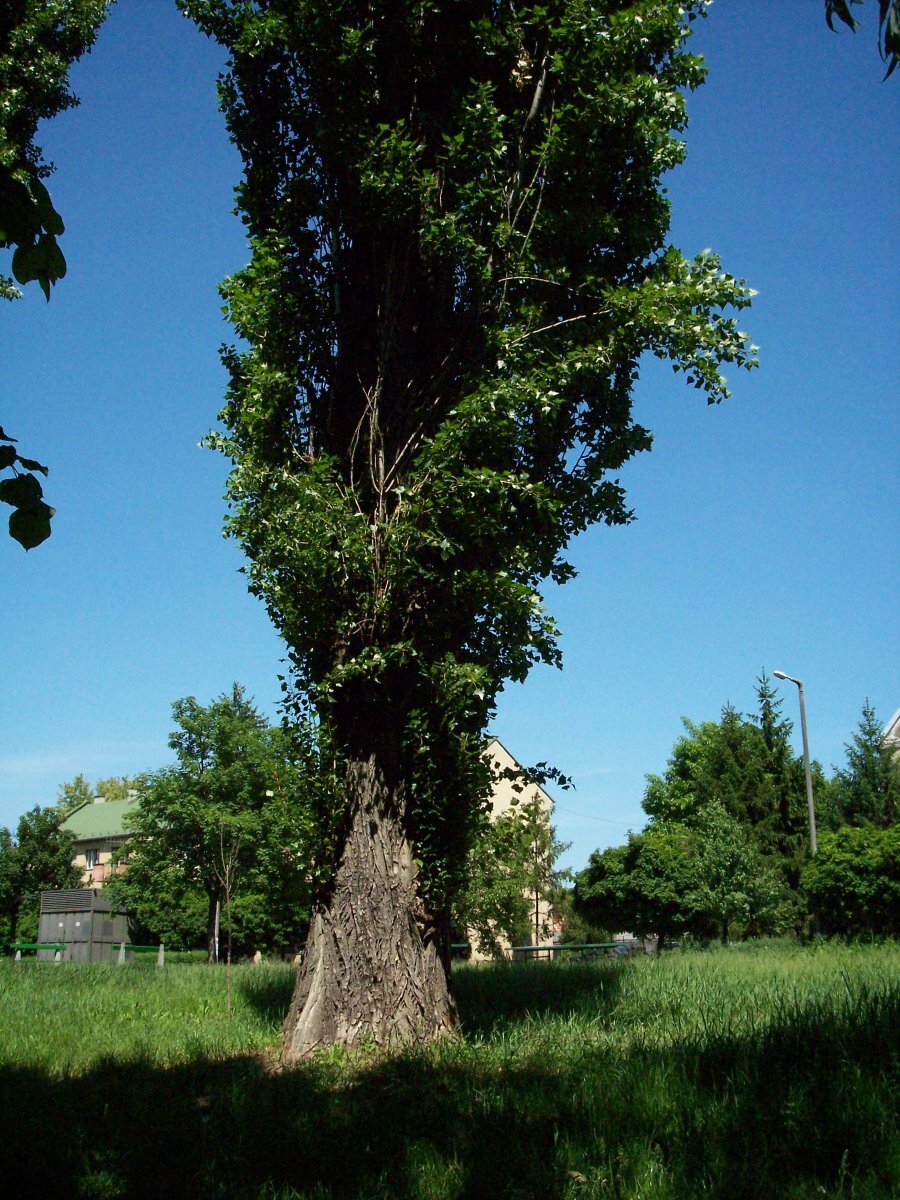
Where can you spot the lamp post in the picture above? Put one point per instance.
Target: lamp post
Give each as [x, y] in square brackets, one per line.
[806, 765]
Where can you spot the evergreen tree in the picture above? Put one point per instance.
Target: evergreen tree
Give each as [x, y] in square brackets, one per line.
[781, 810]
[868, 788]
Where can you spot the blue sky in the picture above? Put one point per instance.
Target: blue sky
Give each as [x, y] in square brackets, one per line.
[767, 528]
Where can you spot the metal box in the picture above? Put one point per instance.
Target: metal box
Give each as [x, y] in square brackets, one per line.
[85, 921]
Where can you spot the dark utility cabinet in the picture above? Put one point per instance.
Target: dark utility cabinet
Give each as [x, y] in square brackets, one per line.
[85, 921]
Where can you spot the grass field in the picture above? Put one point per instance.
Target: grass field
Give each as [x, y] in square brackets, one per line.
[765, 1071]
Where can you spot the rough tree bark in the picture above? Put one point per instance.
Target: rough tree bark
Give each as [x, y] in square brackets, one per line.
[373, 972]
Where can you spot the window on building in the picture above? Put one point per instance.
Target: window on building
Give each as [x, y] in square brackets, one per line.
[93, 858]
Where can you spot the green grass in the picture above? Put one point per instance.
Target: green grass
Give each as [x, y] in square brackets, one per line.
[767, 1071]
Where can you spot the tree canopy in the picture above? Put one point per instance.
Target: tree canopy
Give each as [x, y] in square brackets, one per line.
[459, 255]
[888, 26]
[867, 789]
[726, 850]
[747, 766]
[703, 876]
[233, 810]
[37, 858]
[853, 883]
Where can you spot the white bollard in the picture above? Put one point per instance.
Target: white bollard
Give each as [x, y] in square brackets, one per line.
[161, 956]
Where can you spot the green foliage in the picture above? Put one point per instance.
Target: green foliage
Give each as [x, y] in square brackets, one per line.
[853, 883]
[78, 791]
[722, 851]
[510, 876]
[576, 928]
[888, 26]
[38, 858]
[736, 890]
[39, 39]
[867, 790]
[726, 843]
[704, 878]
[229, 822]
[744, 765]
[29, 522]
[646, 887]
[459, 255]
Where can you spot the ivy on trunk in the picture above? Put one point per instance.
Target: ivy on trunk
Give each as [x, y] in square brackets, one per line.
[459, 256]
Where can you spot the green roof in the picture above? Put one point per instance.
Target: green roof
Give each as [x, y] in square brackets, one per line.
[95, 821]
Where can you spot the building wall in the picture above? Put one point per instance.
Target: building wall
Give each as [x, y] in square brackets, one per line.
[505, 797]
[99, 874]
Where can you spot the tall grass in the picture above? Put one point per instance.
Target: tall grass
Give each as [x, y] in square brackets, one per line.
[67, 1018]
[741, 1074]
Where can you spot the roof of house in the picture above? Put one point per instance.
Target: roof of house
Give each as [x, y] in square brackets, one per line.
[891, 731]
[99, 820]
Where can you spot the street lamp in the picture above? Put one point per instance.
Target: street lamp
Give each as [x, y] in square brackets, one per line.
[806, 766]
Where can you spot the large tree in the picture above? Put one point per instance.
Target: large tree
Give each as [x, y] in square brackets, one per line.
[745, 764]
[459, 255]
[703, 875]
[37, 858]
[853, 883]
[229, 821]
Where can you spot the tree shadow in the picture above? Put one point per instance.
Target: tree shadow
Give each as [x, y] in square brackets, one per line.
[489, 997]
[267, 993]
[496, 996]
[808, 1109]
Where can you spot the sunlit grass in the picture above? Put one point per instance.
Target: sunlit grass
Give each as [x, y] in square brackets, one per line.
[67, 1017]
[768, 1070]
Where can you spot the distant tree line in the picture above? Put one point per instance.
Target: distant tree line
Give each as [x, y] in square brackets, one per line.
[226, 844]
[725, 852]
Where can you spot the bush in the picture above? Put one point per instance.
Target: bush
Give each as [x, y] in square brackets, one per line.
[853, 883]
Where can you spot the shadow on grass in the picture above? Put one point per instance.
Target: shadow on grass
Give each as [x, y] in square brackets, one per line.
[491, 997]
[804, 1111]
[267, 993]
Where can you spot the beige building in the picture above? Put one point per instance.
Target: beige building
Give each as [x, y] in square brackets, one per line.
[99, 831]
[891, 734]
[509, 794]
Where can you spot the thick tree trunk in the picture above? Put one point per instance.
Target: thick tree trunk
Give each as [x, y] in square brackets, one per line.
[373, 970]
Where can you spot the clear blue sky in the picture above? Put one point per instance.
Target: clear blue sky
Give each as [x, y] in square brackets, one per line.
[766, 532]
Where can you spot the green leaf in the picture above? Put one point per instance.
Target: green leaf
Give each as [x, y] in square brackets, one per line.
[7, 456]
[21, 491]
[26, 263]
[31, 525]
[839, 9]
[50, 218]
[42, 260]
[4, 436]
[31, 465]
